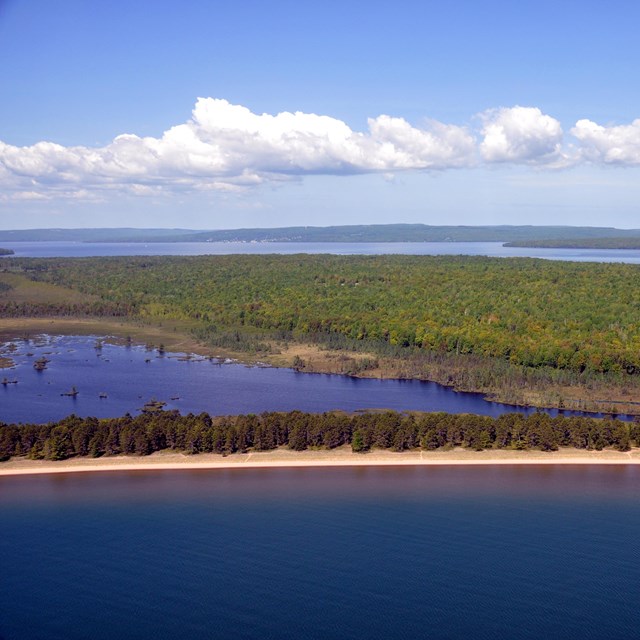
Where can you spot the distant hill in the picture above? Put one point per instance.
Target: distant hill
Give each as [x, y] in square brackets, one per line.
[408, 233]
[91, 235]
[347, 233]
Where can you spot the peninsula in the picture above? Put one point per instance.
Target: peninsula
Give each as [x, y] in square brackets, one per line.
[168, 440]
[628, 243]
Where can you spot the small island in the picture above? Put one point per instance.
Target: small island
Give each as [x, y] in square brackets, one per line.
[6, 252]
[153, 406]
[41, 363]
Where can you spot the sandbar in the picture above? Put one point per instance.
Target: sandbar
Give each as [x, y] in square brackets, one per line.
[341, 457]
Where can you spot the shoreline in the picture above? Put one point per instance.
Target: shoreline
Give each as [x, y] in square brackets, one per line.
[342, 457]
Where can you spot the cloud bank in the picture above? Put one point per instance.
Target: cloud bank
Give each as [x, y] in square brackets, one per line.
[228, 147]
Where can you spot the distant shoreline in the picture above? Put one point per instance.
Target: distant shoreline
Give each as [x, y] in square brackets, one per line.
[397, 232]
[342, 457]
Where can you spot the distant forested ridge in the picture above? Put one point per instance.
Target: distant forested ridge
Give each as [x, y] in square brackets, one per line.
[6, 252]
[90, 235]
[405, 233]
[527, 312]
[344, 233]
[579, 243]
[148, 433]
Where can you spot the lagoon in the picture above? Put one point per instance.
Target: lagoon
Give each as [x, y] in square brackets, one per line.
[130, 376]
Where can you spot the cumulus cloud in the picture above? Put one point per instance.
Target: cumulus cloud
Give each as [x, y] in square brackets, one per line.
[520, 135]
[617, 145]
[228, 147]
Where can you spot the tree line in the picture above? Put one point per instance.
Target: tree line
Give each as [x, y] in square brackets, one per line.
[631, 243]
[169, 430]
[100, 308]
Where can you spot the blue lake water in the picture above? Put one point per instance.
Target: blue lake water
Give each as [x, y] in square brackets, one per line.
[359, 553]
[493, 249]
[131, 376]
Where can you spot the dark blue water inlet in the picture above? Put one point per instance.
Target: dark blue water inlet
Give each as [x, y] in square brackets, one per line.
[131, 376]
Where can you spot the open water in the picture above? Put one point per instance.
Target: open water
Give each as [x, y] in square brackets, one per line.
[359, 553]
[131, 376]
[493, 249]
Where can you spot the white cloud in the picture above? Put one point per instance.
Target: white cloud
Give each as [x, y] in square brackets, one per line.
[520, 135]
[23, 195]
[226, 147]
[233, 140]
[617, 145]
[395, 144]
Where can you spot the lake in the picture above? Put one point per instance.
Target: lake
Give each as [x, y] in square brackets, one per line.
[359, 553]
[131, 376]
[493, 249]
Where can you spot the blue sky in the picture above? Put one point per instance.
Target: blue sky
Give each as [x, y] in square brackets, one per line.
[442, 113]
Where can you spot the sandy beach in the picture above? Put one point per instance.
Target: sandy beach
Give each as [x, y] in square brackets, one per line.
[335, 458]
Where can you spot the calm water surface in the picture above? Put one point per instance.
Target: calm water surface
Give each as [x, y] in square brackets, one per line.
[131, 376]
[503, 552]
[494, 249]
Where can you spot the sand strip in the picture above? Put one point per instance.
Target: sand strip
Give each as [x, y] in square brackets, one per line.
[336, 458]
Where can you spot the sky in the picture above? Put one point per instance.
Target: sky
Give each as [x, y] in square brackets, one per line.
[210, 115]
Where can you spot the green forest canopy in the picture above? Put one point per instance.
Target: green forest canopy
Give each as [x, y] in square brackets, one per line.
[632, 243]
[579, 316]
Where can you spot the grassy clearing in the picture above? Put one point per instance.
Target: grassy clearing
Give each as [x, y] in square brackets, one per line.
[25, 290]
[139, 332]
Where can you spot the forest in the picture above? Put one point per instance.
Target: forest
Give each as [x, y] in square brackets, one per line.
[192, 434]
[631, 243]
[519, 330]
[534, 313]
